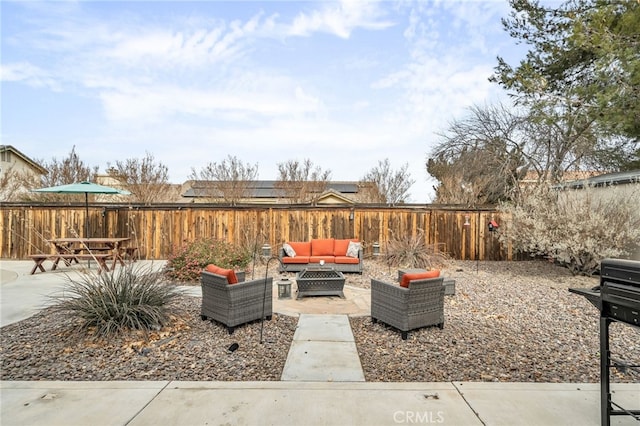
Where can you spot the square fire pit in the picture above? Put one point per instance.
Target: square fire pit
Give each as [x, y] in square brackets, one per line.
[320, 282]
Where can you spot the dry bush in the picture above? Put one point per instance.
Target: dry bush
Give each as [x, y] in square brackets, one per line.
[186, 262]
[576, 228]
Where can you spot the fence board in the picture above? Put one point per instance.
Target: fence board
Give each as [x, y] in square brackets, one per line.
[157, 230]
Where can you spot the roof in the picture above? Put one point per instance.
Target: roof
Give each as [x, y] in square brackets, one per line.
[607, 179]
[568, 175]
[262, 188]
[331, 196]
[24, 158]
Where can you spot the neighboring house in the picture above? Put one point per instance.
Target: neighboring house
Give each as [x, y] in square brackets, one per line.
[18, 173]
[106, 180]
[171, 193]
[603, 181]
[611, 187]
[266, 192]
[532, 179]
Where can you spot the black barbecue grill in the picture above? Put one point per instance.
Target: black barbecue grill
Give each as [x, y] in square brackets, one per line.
[618, 299]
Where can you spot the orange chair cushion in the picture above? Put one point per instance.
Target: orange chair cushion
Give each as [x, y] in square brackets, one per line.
[301, 248]
[230, 274]
[406, 278]
[322, 247]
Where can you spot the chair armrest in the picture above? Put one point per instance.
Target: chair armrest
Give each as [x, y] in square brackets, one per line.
[245, 285]
[252, 283]
[428, 282]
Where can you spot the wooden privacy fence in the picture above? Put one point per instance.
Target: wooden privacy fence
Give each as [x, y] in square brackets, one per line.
[157, 230]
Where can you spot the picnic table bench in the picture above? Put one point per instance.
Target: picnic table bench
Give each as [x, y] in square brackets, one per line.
[69, 258]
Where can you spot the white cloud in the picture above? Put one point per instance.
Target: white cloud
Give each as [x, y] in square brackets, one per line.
[474, 18]
[448, 69]
[186, 48]
[340, 19]
[29, 74]
[243, 98]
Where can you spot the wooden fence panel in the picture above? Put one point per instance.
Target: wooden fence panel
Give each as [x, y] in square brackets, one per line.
[158, 230]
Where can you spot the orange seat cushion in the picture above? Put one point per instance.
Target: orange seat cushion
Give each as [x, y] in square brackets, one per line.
[301, 248]
[406, 278]
[317, 259]
[347, 260]
[230, 274]
[322, 247]
[296, 260]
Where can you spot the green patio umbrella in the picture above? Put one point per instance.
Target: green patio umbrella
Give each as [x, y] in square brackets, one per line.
[85, 188]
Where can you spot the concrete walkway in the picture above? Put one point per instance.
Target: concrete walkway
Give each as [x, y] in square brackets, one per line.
[323, 350]
[305, 403]
[322, 383]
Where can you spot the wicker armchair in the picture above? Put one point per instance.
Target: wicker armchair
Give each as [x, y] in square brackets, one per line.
[235, 304]
[419, 305]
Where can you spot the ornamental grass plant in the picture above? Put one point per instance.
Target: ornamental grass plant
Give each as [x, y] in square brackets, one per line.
[413, 252]
[129, 298]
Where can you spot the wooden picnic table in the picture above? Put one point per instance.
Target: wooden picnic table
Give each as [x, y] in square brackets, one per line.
[71, 250]
[110, 245]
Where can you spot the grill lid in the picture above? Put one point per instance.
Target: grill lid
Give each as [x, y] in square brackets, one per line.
[618, 295]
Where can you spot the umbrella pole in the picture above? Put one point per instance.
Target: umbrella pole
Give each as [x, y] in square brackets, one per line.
[86, 215]
[86, 221]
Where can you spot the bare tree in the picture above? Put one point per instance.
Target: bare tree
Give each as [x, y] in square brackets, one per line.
[14, 184]
[482, 158]
[146, 179]
[301, 182]
[62, 172]
[562, 136]
[229, 180]
[390, 186]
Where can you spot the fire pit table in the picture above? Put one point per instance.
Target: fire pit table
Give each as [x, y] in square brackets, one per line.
[320, 282]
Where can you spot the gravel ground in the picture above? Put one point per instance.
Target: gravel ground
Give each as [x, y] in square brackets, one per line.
[508, 322]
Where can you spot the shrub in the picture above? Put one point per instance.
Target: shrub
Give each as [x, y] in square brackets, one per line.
[576, 228]
[413, 252]
[132, 297]
[186, 262]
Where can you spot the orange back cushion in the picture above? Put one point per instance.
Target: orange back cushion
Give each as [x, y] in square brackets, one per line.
[301, 249]
[229, 273]
[340, 247]
[419, 276]
[322, 247]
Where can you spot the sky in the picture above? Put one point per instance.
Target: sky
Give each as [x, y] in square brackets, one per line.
[345, 84]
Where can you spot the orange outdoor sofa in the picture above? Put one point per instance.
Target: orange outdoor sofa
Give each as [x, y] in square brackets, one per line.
[343, 255]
